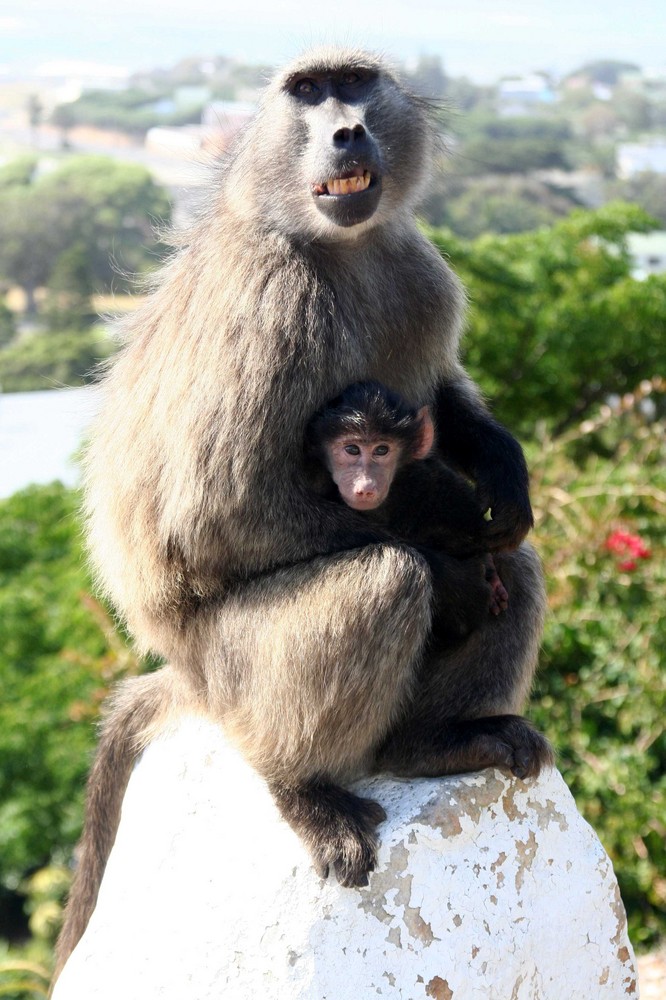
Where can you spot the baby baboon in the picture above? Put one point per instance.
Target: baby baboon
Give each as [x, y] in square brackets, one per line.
[299, 626]
[373, 450]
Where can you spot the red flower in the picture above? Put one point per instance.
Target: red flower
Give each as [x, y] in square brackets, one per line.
[628, 548]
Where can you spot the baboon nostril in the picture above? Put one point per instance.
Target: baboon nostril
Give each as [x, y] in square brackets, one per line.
[346, 136]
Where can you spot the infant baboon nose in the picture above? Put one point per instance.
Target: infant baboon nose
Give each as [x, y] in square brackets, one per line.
[348, 136]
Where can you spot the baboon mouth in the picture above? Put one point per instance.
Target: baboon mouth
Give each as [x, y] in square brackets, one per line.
[351, 182]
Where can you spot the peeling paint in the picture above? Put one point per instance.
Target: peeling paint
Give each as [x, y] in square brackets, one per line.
[509, 806]
[417, 926]
[439, 989]
[547, 814]
[439, 816]
[393, 937]
[526, 851]
[519, 982]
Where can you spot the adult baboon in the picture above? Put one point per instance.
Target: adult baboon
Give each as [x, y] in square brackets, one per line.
[284, 616]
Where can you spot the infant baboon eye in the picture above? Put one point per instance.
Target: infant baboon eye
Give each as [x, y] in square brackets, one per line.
[352, 449]
[382, 449]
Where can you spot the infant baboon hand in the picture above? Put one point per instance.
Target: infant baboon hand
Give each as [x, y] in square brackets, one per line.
[499, 596]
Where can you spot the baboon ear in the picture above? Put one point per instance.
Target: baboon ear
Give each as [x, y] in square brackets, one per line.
[426, 439]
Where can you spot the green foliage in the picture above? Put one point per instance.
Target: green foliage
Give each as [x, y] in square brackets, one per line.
[48, 641]
[51, 360]
[647, 189]
[472, 206]
[133, 111]
[18, 173]
[70, 287]
[59, 653]
[556, 320]
[22, 976]
[7, 325]
[107, 208]
[600, 695]
[512, 145]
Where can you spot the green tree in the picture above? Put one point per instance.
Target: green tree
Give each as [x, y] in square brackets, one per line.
[70, 287]
[35, 115]
[58, 655]
[19, 172]
[512, 145]
[7, 325]
[556, 320]
[106, 207]
[647, 189]
[52, 360]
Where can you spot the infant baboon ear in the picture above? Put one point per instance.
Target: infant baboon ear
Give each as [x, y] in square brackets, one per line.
[426, 439]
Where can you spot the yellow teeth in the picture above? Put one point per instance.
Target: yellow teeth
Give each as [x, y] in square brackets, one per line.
[348, 185]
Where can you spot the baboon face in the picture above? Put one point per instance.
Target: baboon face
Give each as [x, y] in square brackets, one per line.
[343, 145]
[347, 169]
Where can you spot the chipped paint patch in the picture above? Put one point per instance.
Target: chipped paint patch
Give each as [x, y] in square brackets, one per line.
[439, 989]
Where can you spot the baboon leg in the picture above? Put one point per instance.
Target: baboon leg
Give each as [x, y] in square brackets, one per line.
[319, 660]
[464, 712]
[337, 827]
[469, 745]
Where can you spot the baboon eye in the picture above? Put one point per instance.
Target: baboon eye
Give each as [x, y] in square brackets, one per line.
[305, 88]
[352, 449]
[382, 449]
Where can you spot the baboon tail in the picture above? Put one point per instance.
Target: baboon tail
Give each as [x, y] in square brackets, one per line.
[136, 712]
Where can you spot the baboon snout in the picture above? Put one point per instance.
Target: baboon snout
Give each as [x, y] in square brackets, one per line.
[349, 137]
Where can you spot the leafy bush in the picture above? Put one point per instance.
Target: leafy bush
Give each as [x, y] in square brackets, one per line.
[557, 323]
[133, 111]
[106, 209]
[601, 695]
[52, 360]
[58, 655]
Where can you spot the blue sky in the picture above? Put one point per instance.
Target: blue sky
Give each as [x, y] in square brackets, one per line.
[479, 38]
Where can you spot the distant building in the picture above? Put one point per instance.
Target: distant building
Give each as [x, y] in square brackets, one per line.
[522, 95]
[181, 141]
[220, 121]
[648, 253]
[639, 157]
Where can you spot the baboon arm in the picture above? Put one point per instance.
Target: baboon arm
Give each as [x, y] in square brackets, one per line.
[471, 439]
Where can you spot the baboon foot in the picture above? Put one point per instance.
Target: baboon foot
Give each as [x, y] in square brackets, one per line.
[339, 828]
[510, 741]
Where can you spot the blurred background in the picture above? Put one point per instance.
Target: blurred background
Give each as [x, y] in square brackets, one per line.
[549, 198]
